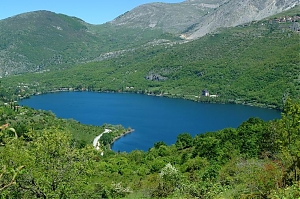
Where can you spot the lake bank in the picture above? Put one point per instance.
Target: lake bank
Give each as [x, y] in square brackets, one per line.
[96, 142]
[194, 98]
[120, 136]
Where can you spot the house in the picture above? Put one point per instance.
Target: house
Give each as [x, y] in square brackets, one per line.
[205, 93]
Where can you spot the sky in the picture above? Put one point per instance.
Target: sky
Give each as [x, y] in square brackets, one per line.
[91, 11]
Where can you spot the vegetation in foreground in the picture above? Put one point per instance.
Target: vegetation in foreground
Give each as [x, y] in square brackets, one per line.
[42, 158]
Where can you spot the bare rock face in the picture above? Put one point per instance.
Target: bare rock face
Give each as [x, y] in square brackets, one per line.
[171, 18]
[234, 13]
[194, 18]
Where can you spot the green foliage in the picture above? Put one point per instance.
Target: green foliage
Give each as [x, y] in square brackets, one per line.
[256, 178]
[289, 140]
[183, 141]
[250, 133]
[169, 181]
[288, 193]
[158, 144]
[8, 177]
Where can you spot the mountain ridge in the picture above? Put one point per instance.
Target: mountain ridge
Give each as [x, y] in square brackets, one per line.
[34, 41]
[201, 16]
[41, 40]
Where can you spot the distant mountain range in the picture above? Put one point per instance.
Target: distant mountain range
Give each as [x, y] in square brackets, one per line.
[195, 18]
[35, 41]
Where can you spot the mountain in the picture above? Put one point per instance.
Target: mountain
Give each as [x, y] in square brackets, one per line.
[236, 12]
[41, 40]
[34, 40]
[173, 18]
[37, 41]
[256, 63]
[195, 18]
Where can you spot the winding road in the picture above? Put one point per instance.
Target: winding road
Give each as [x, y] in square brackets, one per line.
[96, 143]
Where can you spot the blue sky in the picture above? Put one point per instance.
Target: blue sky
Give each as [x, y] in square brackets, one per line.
[91, 11]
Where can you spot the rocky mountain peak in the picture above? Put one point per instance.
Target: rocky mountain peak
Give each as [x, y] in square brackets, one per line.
[195, 18]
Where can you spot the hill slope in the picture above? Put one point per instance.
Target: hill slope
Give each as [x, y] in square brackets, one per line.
[35, 41]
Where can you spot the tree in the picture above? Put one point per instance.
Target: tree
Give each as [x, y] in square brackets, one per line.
[184, 140]
[289, 138]
[53, 168]
[158, 144]
[169, 181]
[208, 147]
[250, 134]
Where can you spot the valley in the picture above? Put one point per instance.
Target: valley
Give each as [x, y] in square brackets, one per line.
[221, 51]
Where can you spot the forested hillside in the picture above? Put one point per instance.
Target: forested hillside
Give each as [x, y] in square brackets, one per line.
[43, 40]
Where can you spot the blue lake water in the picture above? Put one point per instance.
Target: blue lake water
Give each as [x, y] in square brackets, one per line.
[153, 118]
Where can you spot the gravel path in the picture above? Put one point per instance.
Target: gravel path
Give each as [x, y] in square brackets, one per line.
[96, 143]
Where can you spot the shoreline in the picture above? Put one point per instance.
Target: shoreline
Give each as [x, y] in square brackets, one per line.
[122, 135]
[204, 100]
[96, 143]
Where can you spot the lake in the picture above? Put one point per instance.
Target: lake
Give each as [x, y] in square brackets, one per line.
[153, 118]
